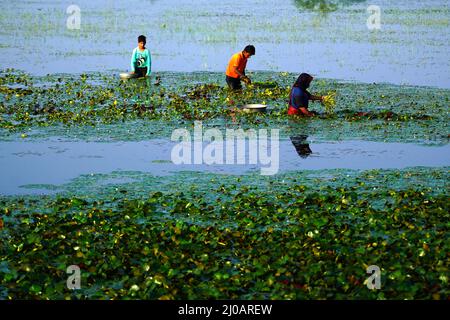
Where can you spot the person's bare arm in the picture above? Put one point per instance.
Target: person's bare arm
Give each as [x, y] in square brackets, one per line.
[316, 98]
[241, 74]
[301, 102]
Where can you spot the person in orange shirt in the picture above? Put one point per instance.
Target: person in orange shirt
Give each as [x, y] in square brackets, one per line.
[236, 68]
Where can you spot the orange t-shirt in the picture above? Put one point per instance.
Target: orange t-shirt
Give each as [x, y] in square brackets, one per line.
[237, 60]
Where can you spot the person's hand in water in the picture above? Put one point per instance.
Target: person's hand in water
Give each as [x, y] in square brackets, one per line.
[305, 112]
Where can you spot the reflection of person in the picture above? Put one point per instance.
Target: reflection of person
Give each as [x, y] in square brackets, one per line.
[236, 68]
[141, 60]
[301, 146]
[299, 96]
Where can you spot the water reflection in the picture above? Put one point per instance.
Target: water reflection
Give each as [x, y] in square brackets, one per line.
[301, 145]
[47, 164]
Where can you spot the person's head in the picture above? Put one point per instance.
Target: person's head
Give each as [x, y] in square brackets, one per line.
[249, 51]
[303, 81]
[142, 40]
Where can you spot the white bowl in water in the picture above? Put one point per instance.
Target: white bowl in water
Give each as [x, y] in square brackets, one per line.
[125, 75]
[254, 107]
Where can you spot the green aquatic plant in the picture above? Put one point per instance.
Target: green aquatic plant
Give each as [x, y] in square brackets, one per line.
[324, 6]
[329, 102]
[51, 103]
[298, 241]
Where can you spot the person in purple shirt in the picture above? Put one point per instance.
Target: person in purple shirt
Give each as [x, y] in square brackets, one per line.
[299, 96]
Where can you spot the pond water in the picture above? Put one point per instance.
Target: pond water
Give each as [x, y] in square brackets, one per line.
[410, 48]
[57, 162]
